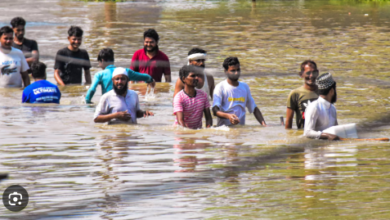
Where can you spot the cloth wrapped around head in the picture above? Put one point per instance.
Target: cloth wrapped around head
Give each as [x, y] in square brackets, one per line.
[196, 56]
[325, 81]
[119, 71]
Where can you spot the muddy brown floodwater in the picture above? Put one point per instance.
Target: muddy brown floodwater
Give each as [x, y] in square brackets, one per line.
[75, 169]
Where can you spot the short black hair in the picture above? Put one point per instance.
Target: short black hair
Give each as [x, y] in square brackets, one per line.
[17, 22]
[151, 33]
[187, 69]
[38, 70]
[106, 54]
[5, 30]
[326, 91]
[307, 62]
[196, 50]
[75, 31]
[230, 61]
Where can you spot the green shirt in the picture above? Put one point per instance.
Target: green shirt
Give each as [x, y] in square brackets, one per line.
[298, 100]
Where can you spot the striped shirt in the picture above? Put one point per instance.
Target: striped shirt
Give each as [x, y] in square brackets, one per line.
[192, 108]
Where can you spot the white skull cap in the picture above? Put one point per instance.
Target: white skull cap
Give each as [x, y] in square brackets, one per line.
[325, 81]
[119, 71]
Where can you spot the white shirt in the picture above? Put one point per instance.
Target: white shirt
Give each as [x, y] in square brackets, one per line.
[233, 100]
[11, 65]
[112, 103]
[319, 115]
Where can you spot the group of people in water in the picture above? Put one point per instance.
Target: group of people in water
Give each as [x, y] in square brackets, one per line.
[194, 90]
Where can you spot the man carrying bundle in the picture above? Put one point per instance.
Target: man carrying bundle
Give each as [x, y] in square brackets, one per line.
[321, 114]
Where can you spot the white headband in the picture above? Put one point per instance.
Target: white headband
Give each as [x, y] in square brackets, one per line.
[196, 56]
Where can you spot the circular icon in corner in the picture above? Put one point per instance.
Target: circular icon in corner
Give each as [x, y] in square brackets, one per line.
[15, 198]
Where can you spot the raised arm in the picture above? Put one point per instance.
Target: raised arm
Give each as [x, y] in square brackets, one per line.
[136, 76]
[92, 89]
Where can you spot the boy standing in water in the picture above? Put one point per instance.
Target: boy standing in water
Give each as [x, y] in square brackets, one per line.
[231, 97]
[71, 60]
[189, 104]
[41, 91]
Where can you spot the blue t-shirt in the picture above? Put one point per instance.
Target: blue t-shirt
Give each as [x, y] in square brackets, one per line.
[41, 91]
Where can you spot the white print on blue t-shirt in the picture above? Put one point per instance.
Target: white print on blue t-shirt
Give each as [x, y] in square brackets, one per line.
[44, 90]
[9, 62]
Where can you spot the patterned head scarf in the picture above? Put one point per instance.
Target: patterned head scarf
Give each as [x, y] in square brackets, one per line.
[325, 81]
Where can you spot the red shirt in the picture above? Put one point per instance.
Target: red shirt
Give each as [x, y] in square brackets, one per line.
[155, 67]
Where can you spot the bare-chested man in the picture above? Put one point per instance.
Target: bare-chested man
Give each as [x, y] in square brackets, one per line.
[197, 57]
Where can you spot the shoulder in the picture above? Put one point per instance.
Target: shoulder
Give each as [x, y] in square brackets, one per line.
[162, 55]
[62, 51]
[201, 93]
[30, 87]
[16, 51]
[84, 51]
[30, 41]
[179, 95]
[108, 94]
[244, 85]
[132, 92]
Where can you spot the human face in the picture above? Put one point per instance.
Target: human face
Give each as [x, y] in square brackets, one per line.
[199, 63]
[334, 96]
[233, 72]
[19, 32]
[191, 80]
[310, 75]
[75, 42]
[150, 44]
[120, 84]
[6, 40]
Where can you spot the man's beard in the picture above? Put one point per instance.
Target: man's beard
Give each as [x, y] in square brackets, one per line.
[334, 98]
[152, 50]
[20, 37]
[121, 91]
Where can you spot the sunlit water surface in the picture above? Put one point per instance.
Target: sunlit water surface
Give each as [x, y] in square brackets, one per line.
[73, 168]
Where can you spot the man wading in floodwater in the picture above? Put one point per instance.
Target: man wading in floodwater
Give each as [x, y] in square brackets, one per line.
[151, 59]
[321, 114]
[27, 46]
[301, 97]
[197, 57]
[13, 64]
[190, 104]
[120, 105]
[231, 97]
[71, 60]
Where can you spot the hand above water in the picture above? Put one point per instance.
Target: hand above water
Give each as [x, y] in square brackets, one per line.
[125, 116]
[233, 119]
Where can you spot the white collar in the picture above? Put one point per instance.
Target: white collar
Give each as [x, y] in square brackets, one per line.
[324, 102]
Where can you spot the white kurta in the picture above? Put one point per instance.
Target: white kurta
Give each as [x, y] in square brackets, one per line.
[319, 115]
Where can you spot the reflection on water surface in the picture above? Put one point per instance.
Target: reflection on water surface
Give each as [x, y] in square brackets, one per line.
[73, 168]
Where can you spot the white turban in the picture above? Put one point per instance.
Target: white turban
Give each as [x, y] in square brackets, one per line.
[119, 71]
[196, 56]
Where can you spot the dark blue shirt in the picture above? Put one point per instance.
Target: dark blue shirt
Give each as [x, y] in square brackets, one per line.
[41, 91]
